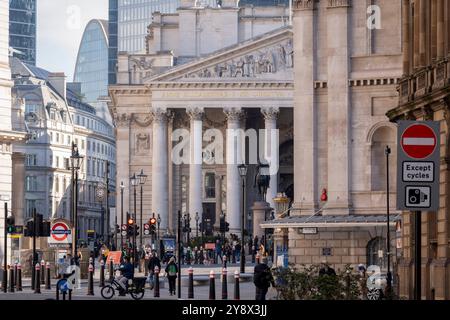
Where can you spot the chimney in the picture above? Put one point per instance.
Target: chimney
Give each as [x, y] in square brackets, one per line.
[58, 81]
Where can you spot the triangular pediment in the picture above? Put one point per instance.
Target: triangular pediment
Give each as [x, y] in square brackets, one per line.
[268, 57]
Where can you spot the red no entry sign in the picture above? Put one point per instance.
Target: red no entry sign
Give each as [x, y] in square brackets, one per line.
[418, 141]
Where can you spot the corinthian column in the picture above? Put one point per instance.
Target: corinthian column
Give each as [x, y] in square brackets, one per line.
[305, 111]
[196, 160]
[272, 150]
[234, 158]
[160, 190]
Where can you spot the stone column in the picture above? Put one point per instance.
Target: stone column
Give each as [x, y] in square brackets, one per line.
[234, 157]
[218, 198]
[415, 37]
[195, 162]
[172, 218]
[160, 190]
[440, 29]
[18, 187]
[406, 37]
[338, 108]
[272, 150]
[422, 32]
[305, 144]
[122, 122]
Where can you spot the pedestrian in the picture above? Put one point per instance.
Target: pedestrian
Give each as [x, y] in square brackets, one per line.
[172, 271]
[152, 263]
[262, 278]
[326, 270]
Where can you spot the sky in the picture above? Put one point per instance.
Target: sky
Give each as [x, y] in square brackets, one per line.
[60, 26]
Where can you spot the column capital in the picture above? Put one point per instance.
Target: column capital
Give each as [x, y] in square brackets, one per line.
[303, 5]
[234, 114]
[270, 113]
[160, 115]
[122, 119]
[338, 3]
[196, 113]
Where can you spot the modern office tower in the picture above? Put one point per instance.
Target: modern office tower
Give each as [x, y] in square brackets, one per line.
[22, 29]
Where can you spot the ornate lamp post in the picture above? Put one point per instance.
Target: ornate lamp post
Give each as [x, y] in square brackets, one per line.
[142, 178]
[134, 182]
[122, 187]
[243, 173]
[75, 164]
[197, 217]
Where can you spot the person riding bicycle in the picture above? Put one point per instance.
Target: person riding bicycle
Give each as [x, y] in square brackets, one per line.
[127, 270]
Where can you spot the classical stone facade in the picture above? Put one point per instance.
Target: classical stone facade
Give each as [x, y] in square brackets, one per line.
[228, 77]
[10, 132]
[424, 95]
[346, 72]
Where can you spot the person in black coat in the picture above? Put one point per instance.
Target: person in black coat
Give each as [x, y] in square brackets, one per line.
[262, 278]
[152, 263]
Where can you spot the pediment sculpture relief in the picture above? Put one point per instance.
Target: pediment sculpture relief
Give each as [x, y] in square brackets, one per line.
[260, 63]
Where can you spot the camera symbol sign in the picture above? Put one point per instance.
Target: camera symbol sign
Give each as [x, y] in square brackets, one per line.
[418, 165]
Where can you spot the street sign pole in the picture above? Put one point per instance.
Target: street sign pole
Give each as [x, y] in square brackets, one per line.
[418, 170]
[418, 257]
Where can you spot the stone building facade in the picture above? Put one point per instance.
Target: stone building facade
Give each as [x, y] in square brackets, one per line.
[346, 73]
[425, 95]
[202, 72]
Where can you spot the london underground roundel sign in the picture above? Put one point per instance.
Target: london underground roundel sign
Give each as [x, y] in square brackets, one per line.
[418, 141]
[60, 231]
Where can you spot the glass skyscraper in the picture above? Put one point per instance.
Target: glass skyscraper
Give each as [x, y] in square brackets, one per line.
[91, 68]
[112, 37]
[22, 29]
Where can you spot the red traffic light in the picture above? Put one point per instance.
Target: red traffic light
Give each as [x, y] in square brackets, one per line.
[152, 221]
[130, 221]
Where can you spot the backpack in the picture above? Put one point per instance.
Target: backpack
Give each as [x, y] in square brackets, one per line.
[172, 270]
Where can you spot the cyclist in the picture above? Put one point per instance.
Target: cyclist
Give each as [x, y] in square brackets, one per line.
[127, 270]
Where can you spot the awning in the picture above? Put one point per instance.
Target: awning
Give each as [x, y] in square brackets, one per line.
[331, 221]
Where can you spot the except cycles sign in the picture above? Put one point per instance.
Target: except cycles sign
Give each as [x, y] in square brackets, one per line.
[418, 166]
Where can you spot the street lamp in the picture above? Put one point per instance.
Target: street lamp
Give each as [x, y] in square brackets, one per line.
[243, 173]
[388, 235]
[142, 178]
[74, 165]
[159, 241]
[222, 218]
[197, 217]
[122, 187]
[134, 182]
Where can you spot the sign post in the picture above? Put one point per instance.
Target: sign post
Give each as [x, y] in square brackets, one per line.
[418, 168]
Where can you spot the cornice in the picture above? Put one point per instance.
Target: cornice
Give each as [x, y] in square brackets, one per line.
[200, 85]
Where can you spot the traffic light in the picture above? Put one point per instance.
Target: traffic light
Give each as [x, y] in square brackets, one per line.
[222, 225]
[137, 230]
[29, 229]
[152, 225]
[130, 229]
[227, 226]
[44, 229]
[10, 227]
[117, 229]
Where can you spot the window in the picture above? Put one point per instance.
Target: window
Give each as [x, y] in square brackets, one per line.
[52, 114]
[89, 145]
[68, 140]
[64, 184]
[31, 183]
[50, 183]
[376, 252]
[89, 166]
[57, 161]
[29, 206]
[210, 185]
[82, 144]
[51, 137]
[57, 137]
[31, 160]
[50, 158]
[57, 184]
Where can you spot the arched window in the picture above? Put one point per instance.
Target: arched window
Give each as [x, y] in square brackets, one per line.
[383, 136]
[376, 252]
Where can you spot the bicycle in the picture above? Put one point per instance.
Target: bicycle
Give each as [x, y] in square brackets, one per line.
[136, 288]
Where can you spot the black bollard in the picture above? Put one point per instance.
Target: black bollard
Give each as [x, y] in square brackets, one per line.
[15, 273]
[11, 279]
[111, 270]
[42, 272]
[102, 274]
[91, 281]
[253, 254]
[212, 286]
[257, 258]
[19, 277]
[191, 283]
[156, 291]
[224, 284]
[237, 295]
[37, 285]
[233, 258]
[48, 279]
[5, 280]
